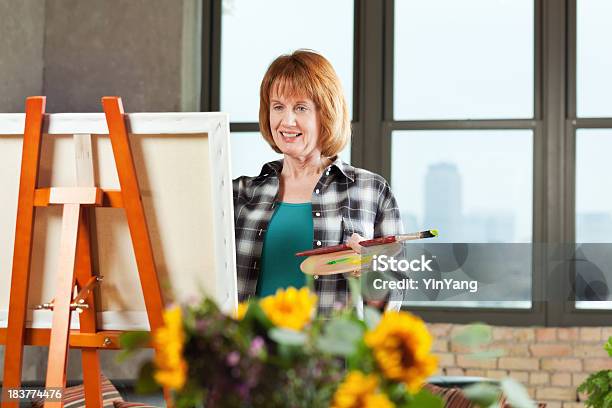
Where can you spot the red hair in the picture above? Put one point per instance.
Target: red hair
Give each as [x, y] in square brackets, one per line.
[308, 74]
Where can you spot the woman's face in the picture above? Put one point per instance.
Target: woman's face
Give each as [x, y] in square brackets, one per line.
[294, 122]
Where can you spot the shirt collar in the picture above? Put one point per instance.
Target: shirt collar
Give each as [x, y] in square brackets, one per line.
[273, 169]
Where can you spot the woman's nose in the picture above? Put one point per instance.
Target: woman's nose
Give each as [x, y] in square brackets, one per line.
[289, 118]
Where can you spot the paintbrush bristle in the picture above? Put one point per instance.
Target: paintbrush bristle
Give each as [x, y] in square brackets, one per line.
[429, 233]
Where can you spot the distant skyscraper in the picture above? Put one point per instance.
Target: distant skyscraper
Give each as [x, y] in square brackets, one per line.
[443, 209]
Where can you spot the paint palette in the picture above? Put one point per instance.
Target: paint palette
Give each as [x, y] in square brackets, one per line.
[347, 261]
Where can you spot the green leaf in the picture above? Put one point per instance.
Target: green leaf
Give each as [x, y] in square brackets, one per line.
[355, 287]
[424, 399]
[361, 359]
[334, 346]
[474, 335]
[146, 382]
[287, 337]
[608, 346]
[371, 317]
[344, 329]
[483, 394]
[256, 314]
[397, 391]
[340, 337]
[133, 340]
[516, 394]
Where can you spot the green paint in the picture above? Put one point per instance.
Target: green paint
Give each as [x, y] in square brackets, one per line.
[341, 260]
[354, 260]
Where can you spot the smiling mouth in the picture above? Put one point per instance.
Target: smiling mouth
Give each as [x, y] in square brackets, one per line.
[290, 135]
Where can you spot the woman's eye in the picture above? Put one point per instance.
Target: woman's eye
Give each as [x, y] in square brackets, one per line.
[302, 109]
[277, 107]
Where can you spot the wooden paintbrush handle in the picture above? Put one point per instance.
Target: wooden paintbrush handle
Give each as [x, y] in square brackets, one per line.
[378, 241]
[324, 250]
[344, 247]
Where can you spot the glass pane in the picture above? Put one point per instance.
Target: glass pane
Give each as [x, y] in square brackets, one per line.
[250, 152]
[474, 186]
[255, 32]
[593, 200]
[470, 59]
[594, 58]
[593, 218]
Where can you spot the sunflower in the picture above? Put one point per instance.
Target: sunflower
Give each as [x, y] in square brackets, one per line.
[241, 310]
[401, 346]
[291, 308]
[171, 369]
[360, 391]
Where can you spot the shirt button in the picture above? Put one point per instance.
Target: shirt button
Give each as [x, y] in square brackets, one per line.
[318, 214]
[317, 191]
[318, 243]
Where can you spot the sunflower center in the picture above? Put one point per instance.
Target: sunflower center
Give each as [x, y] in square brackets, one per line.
[285, 307]
[407, 356]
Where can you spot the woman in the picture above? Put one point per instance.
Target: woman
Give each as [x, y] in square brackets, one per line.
[310, 198]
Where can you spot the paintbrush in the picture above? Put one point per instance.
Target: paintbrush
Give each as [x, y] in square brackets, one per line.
[372, 242]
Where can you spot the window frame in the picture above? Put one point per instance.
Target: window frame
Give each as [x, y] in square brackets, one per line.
[554, 127]
[568, 314]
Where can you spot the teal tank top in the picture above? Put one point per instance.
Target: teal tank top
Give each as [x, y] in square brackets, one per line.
[290, 230]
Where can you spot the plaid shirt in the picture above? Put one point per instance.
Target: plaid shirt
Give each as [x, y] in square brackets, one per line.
[345, 200]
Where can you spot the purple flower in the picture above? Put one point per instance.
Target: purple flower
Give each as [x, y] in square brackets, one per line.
[233, 358]
[243, 391]
[201, 325]
[257, 346]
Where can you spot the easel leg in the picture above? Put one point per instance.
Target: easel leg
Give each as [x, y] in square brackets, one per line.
[87, 319]
[58, 347]
[134, 211]
[20, 278]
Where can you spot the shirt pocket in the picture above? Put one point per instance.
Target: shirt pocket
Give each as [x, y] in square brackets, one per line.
[352, 225]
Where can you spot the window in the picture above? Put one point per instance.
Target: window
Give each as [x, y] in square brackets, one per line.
[275, 27]
[594, 58]
[591, 119]
[593, 199]
[490, 118]
[470, 59]
[461, 155]
[472, 185]
[255, 32]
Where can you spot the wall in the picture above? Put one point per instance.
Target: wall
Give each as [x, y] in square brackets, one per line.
[550, 362]
[76, 51]
[21, 52]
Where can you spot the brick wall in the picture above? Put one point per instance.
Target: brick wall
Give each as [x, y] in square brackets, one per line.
[550, 362]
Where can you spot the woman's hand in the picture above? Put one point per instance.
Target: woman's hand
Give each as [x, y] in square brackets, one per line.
[353, 242]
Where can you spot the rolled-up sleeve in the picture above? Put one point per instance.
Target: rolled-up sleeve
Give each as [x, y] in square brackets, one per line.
[389, 222]
[388, 218]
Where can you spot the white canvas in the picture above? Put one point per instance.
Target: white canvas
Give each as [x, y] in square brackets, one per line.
[183, 167]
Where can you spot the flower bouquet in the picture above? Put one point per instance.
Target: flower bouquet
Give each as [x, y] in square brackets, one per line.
[274, 353]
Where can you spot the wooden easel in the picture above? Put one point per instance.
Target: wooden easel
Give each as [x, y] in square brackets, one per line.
[75, 265]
